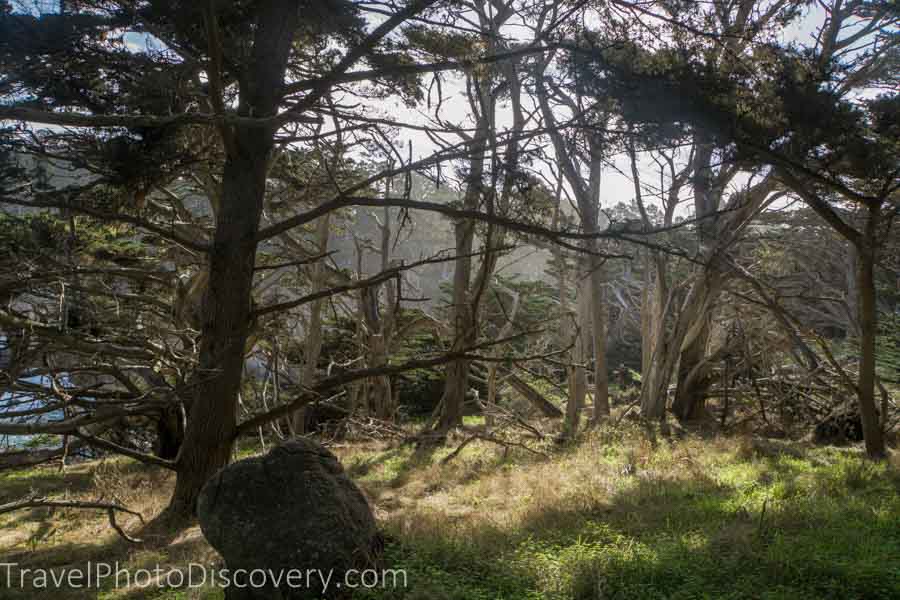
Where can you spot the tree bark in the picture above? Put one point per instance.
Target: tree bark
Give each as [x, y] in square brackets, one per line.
[654, 312]
[691, 388]
[851, 326]
[169, 432]
[463, 320]
[578, 374]
[211, 426]
[587, 196]
[598, 340]
[868, 328]
[226, 321]
[567, 334]
[313, 347]
[692, 385]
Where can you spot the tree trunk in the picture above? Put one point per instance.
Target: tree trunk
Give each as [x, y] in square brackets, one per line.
[692, 376]
[212, 417]
[851, 327]
[226, 321]
[381, 326]
[313, 347]
[654, 308]
[463, 322]
[566, 334]
[692, 385]
[578, 373]
[648, 308]
[671, 346]
[872, 431]
[691, 389]
[454, 395]
[537, 400]
[463, 308]
[467, 296]
[169, 432]
[492, 366]
[598, 339]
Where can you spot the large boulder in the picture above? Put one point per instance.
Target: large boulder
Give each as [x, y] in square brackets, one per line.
[292, 509]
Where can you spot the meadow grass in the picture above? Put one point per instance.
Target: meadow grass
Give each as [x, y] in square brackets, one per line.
[613, 515]
[619, 517]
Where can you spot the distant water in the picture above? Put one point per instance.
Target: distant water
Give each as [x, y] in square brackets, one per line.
[21, 441]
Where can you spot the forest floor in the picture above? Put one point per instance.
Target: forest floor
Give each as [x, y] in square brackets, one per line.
[612, 516]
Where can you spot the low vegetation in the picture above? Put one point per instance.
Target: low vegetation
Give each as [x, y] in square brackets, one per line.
[615, 515]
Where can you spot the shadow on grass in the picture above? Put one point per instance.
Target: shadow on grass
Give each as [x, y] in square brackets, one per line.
[415, 461]
[161, 546]
[787, 528]
[15, 485]
[359, 469]
[47, 480]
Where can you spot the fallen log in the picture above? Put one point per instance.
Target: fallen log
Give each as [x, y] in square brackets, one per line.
[547, 408]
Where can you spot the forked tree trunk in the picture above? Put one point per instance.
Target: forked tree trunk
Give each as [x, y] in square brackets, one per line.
[653, 319]
[670, 346]
[692, 375]
[381, 326]
[379, 399]
[655, 380]
[690, 390]
[467, 295]
[692, 385]
[655, 297]
[587, 196]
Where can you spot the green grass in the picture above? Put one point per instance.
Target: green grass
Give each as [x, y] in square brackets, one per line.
[823, 526]
[614, 515]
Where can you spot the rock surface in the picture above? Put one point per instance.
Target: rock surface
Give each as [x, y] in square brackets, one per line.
[293, 508]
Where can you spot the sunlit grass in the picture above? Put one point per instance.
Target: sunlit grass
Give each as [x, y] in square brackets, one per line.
[611, 516]
[689, 519]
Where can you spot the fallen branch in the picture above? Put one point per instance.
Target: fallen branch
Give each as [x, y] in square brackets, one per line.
[493, 439]
[510, 418]
[38, 502]
[626, 411]
[119, 449]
